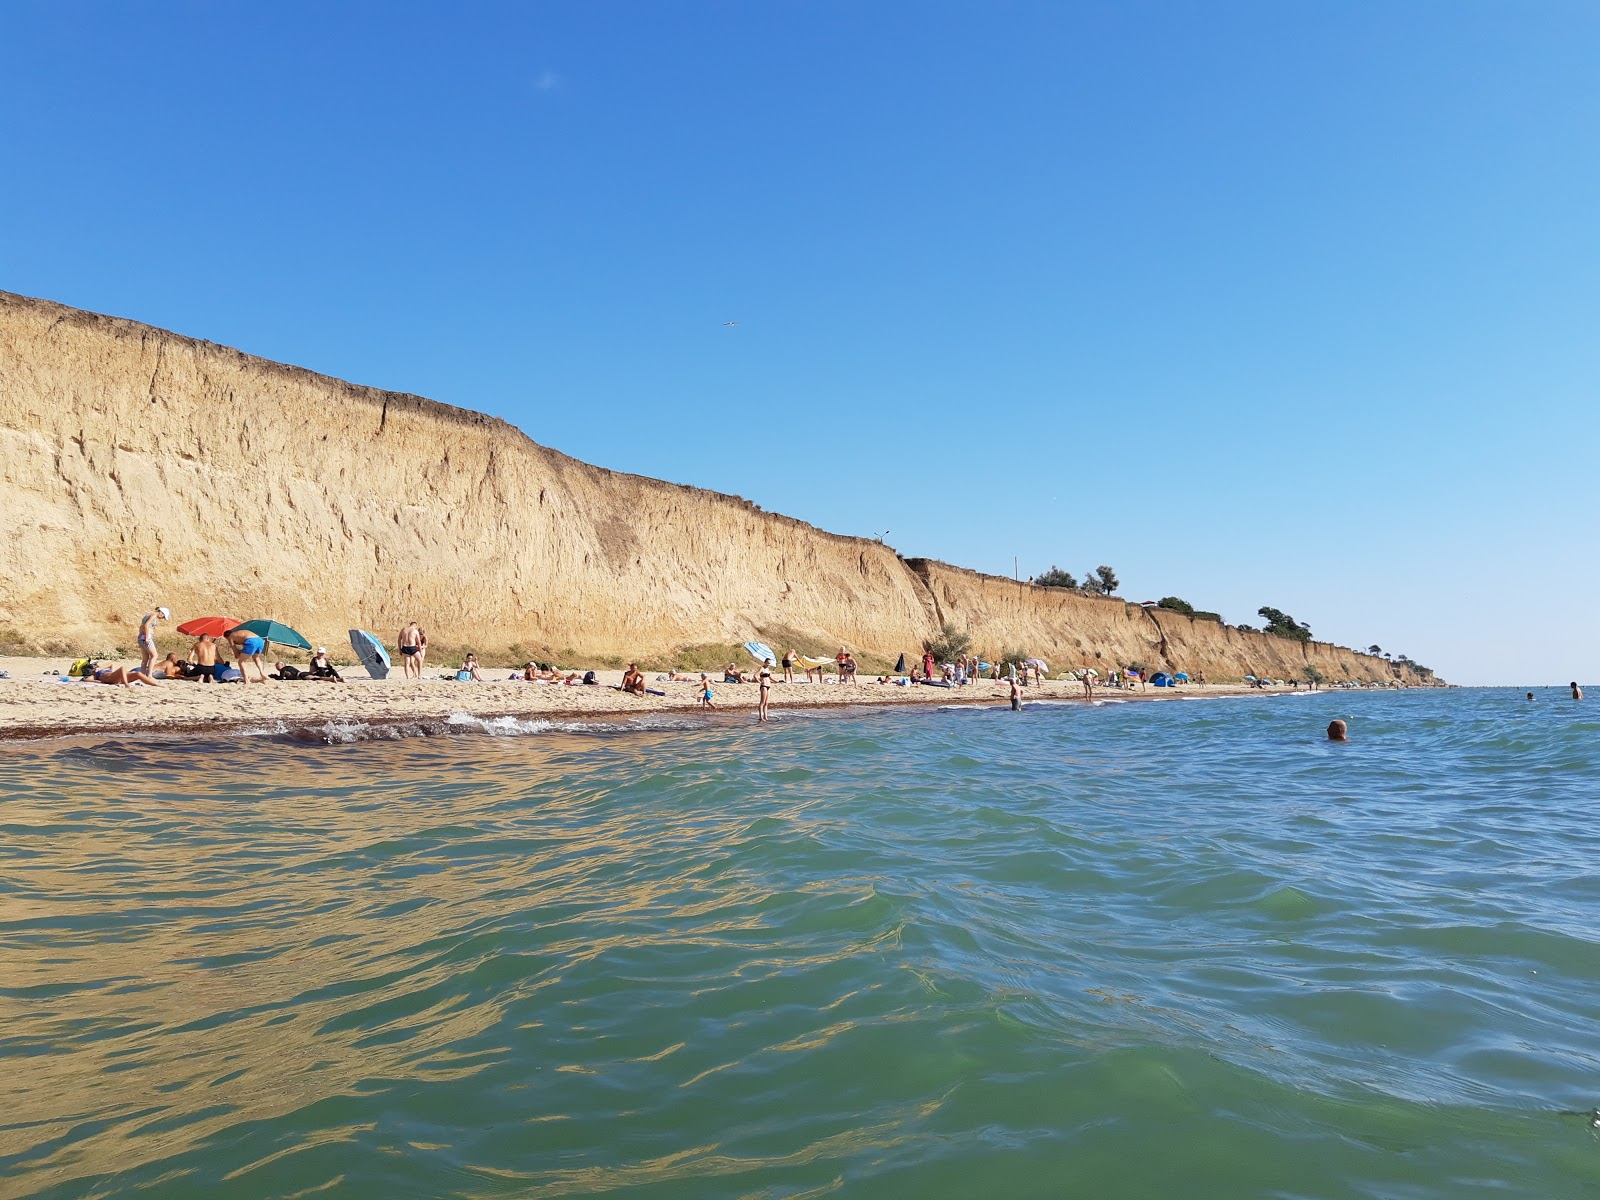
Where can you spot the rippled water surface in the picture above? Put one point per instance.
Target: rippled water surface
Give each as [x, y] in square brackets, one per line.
[1185, 949]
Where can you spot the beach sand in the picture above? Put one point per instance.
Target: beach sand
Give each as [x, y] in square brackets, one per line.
[34, 703]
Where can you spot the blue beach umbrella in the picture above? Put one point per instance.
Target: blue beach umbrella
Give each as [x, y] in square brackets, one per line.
[1182, 675]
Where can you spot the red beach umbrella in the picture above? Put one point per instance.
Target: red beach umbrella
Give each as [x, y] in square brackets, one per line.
[215, 626]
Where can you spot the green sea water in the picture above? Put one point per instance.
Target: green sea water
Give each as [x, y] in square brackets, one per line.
[1186, 949]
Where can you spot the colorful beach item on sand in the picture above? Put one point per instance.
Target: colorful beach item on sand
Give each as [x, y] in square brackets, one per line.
[371, 653]
[272, 631]
[760, 651]
[208, 626]
[807, 661]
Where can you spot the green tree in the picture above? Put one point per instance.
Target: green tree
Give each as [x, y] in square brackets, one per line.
[1055, 577]
[950, 644]
[1102, 579]
[1175, 604]
[1374, 650]
[1281, 624]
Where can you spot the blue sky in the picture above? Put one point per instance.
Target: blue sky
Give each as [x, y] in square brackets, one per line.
[1261, 303]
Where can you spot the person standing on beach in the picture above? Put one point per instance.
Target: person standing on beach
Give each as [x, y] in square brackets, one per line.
[410, 643]
[765, 680]
[147, 637]
[422, 650]
[1088, 685]
[705, 692]
[789, 661]
[1577, 692]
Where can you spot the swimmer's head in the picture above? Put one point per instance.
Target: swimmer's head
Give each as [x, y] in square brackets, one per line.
[1338, 731]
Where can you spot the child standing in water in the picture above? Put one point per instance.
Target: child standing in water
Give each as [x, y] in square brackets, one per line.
[705, 692]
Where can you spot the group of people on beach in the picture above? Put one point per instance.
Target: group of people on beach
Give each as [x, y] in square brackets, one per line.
[206, 661]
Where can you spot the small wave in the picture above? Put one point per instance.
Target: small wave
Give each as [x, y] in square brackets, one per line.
[498, 726]
[461, 724]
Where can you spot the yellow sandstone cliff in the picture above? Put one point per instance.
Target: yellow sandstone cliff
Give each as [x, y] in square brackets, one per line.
[142, 467]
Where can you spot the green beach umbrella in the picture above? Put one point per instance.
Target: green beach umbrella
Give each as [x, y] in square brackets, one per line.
[281, 635]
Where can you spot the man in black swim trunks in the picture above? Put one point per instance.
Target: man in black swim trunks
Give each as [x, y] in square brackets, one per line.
[410, 642]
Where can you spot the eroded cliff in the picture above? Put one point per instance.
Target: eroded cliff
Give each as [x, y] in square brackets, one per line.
[143, 467]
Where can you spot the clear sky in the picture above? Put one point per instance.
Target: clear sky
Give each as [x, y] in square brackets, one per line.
[1261, 303]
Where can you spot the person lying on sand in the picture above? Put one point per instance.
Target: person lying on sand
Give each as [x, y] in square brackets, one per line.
[170, 667]
[118, 675]
[674, 677]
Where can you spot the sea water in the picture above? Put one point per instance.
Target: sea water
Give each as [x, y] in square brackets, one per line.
[1186, 949]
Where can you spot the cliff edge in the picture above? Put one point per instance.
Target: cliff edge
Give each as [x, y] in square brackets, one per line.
[143, 467]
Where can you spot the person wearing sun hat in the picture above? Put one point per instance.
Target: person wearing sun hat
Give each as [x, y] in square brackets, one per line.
[147, 636]
[321, 668]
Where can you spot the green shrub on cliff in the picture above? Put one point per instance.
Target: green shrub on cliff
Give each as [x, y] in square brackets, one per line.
[949, 645]
[1176, 605]
[1055, 577]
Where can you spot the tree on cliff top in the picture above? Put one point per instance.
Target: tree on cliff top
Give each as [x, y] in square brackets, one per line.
[1102, 579]
[1374, 650]
[1055, 577]
[1175, 604]
[1281, 624]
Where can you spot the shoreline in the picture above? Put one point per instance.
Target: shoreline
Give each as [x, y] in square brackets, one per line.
[37, 706]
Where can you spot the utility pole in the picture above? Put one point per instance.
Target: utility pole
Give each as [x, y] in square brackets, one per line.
[1016, 569]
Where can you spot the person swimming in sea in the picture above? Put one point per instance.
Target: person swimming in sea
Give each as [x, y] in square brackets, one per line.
[1577, 692]
[1016, 695]
[1338, 731]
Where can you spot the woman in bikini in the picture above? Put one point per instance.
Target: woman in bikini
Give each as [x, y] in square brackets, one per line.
[120, 675]
[147, 638]
[765, 680]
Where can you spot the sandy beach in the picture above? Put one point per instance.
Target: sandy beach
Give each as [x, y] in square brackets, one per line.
[35, 703]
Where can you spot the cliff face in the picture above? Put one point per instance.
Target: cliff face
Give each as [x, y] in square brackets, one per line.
[141, 467]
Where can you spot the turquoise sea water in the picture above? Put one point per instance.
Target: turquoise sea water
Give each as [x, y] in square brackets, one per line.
[1186, 949]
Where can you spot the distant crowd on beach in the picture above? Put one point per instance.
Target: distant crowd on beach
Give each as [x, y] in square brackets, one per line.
[239, 654]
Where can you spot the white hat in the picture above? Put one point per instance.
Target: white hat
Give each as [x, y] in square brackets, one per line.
[322, 649]
[166, 613]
